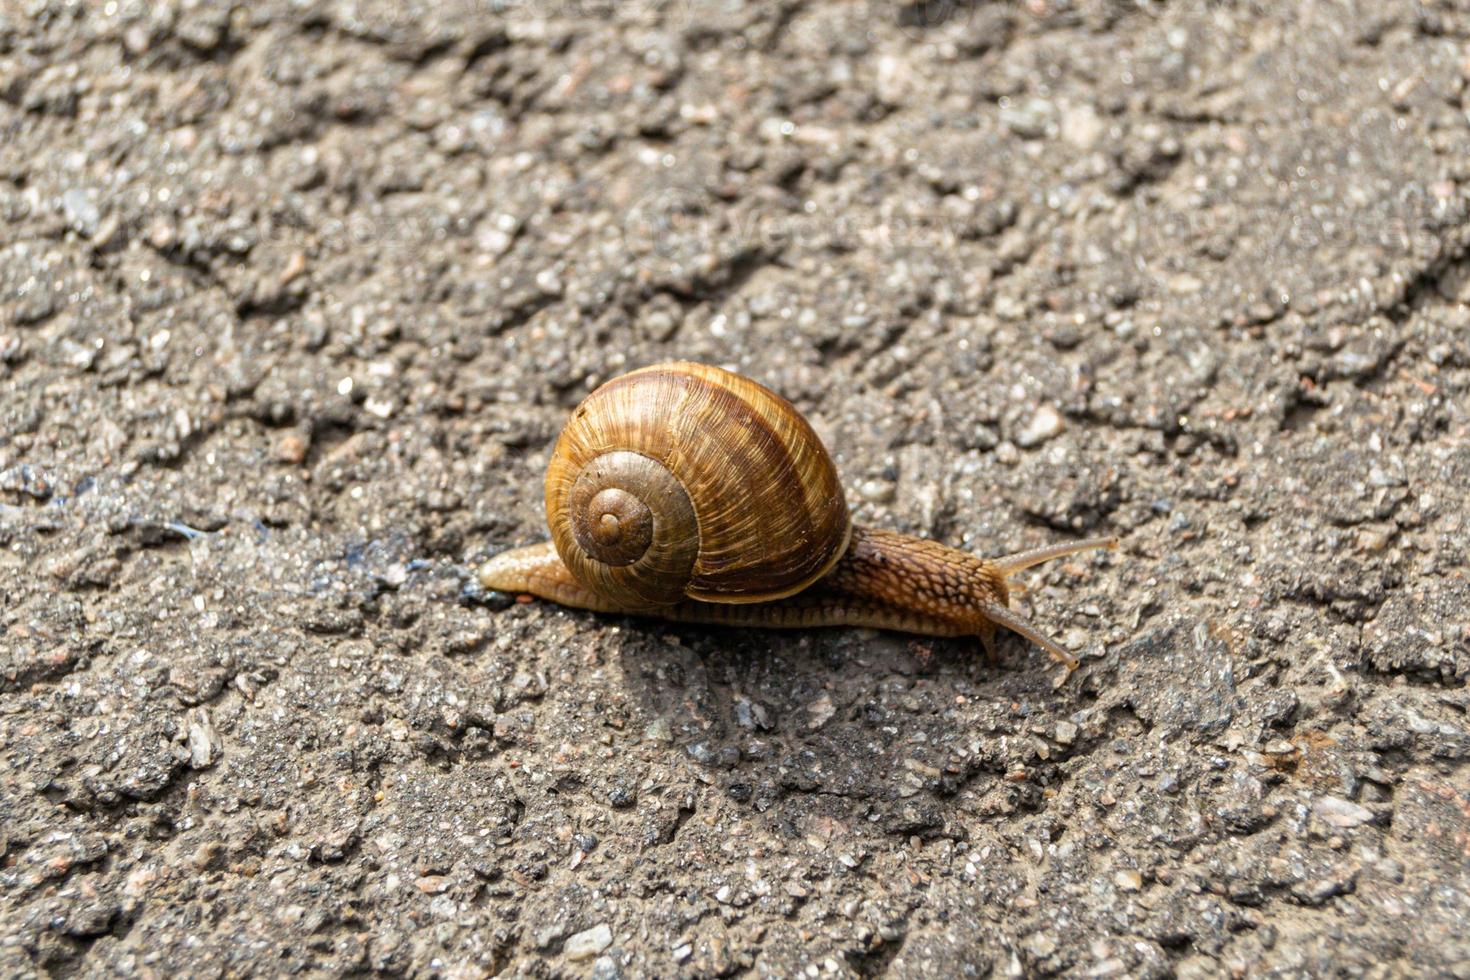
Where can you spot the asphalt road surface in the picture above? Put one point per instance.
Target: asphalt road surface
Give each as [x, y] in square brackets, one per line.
[294, 298]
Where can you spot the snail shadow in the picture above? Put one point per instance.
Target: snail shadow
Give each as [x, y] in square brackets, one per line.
[872, 729]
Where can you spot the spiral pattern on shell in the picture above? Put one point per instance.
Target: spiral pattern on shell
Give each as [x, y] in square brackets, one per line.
[682, 481]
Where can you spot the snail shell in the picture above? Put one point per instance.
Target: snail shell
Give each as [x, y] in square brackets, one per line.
[685, 481]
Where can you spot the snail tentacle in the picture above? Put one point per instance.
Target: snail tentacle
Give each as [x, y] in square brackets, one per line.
[1017, 623]
[1021, 560]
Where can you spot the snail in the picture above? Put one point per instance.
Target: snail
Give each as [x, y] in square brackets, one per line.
[694, 494]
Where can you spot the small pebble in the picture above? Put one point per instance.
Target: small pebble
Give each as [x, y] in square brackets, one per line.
[588, 943]
[1342, 813]
[80, 211]
[1046, 423]
[1029, 119]
[1041, 945]
[877, 491]
[820, 712]
[1082, 127]
[26, 479]
[658, 730]
[1008, 307]
[204, 741]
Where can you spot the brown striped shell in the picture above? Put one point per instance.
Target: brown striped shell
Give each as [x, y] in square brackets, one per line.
[682, 480]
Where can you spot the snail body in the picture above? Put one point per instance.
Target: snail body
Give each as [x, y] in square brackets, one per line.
[694, 494]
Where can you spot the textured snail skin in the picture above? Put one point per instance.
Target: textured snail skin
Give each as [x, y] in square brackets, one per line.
[884, 580]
